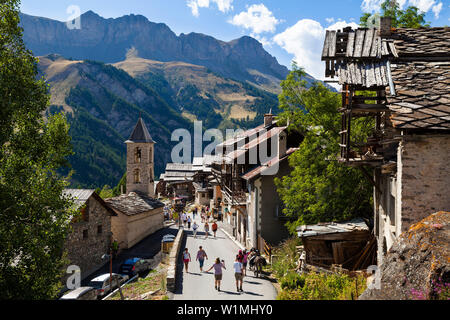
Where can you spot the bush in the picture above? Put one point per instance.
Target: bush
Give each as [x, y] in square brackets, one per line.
[292, 281]
[287, 257]
[321, 286]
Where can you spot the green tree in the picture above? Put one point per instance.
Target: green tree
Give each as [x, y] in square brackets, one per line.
[411, 17]
[34, 214]
[319, 188]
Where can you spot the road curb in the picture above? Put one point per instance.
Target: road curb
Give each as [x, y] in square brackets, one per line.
[173, 259]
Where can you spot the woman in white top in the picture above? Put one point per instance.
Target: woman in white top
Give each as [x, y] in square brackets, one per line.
[186, 259]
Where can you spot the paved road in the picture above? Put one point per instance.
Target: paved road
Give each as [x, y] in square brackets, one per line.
[200, 286]
[146, 248]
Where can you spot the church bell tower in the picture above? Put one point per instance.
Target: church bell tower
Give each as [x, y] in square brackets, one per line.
[140, 165]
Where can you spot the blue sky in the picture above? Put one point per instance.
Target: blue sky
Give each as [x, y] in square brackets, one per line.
[288, 29]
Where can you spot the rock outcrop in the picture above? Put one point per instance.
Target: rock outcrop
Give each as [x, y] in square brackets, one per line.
[418, 264]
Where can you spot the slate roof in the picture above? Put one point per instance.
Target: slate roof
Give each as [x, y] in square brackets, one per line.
[422, 42]
[140, 133]
[422, 97]
[412, 64]
[134, 203]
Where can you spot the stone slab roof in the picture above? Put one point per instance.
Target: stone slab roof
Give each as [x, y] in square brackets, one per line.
[134, 203]
[422, 97]
[422, 41]
[412, 64]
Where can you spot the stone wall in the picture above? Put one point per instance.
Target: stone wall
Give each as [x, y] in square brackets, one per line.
[145, 167]
[173, 261]
[87, 252]
[425, 177]
[119, 228]
[142, 225]
[419, 187]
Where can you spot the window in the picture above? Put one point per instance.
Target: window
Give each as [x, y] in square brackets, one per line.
[85, 234]
[150, 155]
[99, 229]
[137, 176]
[137, 155]
[84, 213]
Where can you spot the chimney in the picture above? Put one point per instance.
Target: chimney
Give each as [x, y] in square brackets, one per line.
[385, 26]
[268, 117]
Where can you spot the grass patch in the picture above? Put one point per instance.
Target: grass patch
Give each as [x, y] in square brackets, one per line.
[155, 280]
[321, 286]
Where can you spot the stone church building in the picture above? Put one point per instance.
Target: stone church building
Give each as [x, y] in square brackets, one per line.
[138, 213]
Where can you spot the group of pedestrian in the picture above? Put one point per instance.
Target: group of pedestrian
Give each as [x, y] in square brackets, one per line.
[239, 266]
[187, 222]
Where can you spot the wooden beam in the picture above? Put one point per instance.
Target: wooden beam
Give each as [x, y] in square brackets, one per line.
[372, 181]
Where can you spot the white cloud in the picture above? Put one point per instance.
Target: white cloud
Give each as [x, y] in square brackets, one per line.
[257, 18]
[265, 41]
[329, 20]
[422, 5]
[305, 40]
[372, 6]
[437, 9]
[401, 3]
[222, 5]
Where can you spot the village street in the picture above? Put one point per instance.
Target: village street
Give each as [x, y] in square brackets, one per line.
[196, 285]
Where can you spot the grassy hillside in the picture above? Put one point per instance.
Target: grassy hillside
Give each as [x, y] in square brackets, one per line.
[200, 94]
[103, 104]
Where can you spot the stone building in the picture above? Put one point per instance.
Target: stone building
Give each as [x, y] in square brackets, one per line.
[90, 236]
[408, 73]
[140, 164]
[137, 216]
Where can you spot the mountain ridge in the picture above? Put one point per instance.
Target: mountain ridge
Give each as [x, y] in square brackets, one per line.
[108, 40]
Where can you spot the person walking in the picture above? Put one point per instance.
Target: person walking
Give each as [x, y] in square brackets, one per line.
[184, 218]
[240, 256]
[194, 212]
[218, 266]
[214, 228]
[186, 259]
[244, 262]
[206, 229]
[195, 227]
[189, 222]
[237, 266]
[201, 256]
